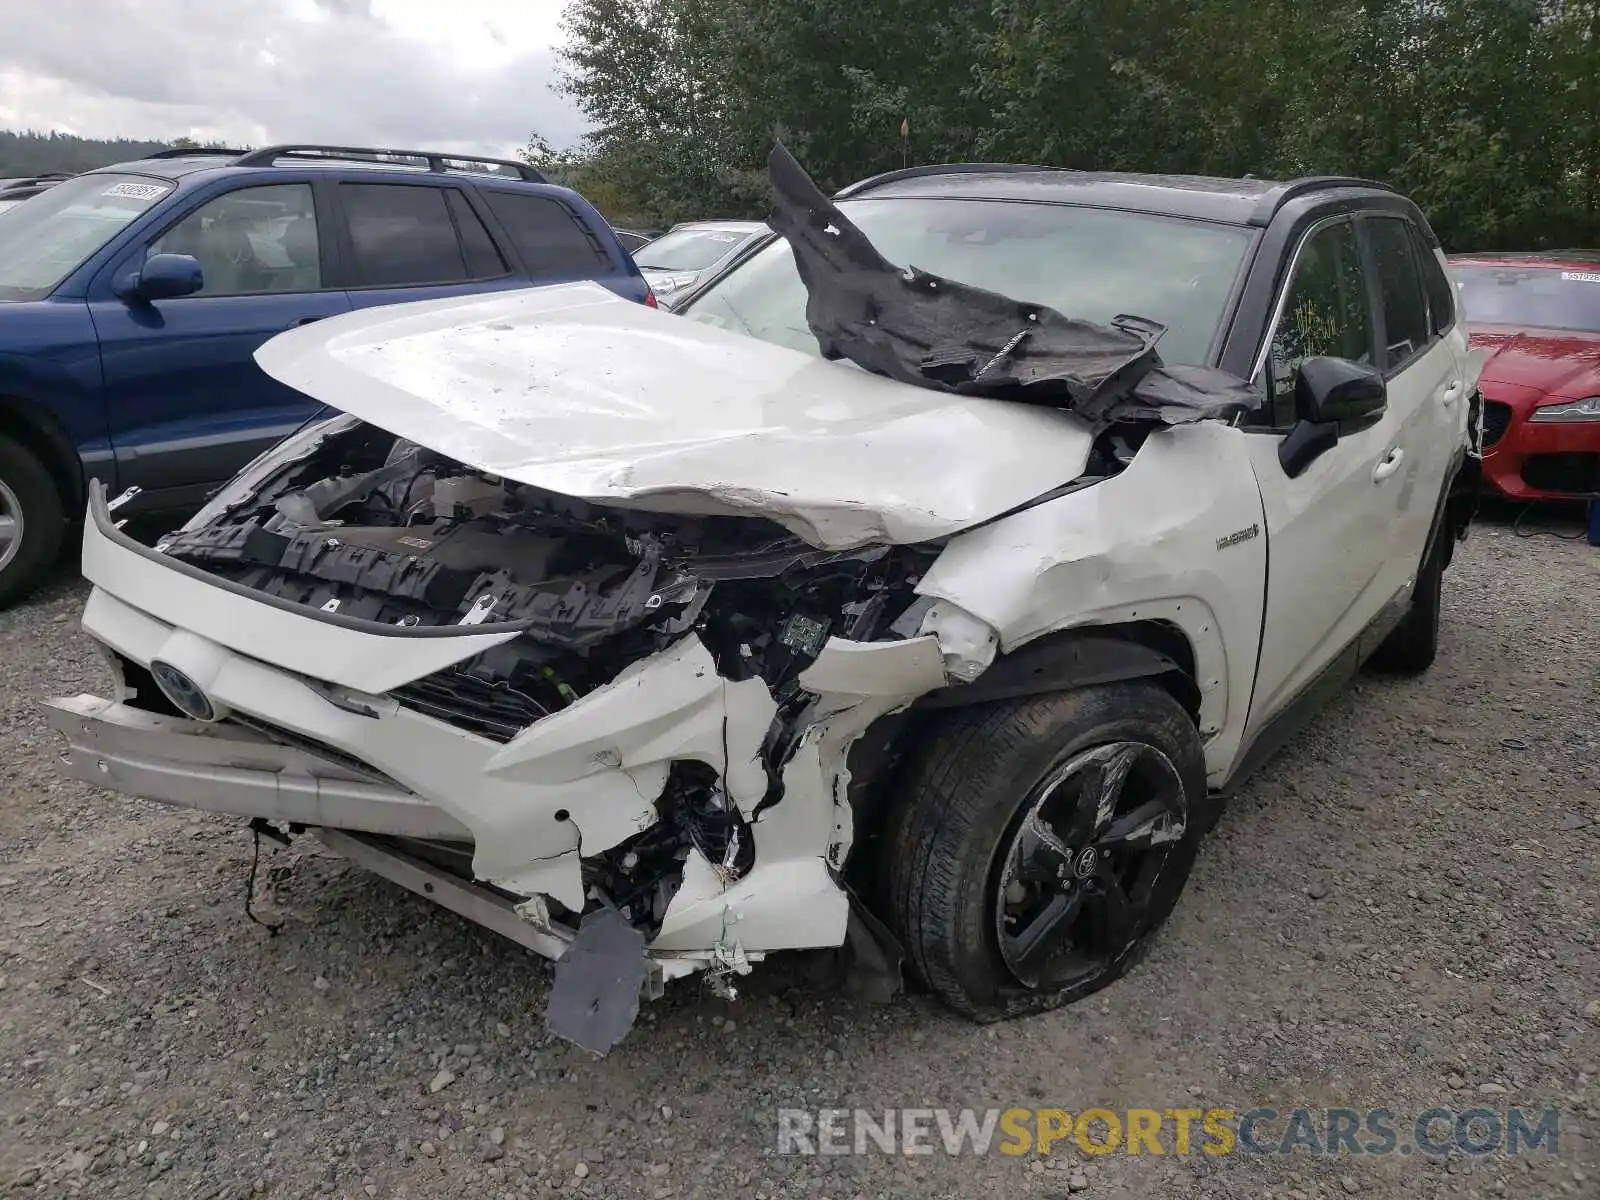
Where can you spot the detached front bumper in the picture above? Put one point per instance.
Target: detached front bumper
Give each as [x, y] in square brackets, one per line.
[189, 764]
[311, 727]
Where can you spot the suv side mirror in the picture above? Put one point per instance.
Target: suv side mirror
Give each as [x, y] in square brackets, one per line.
[163, 277]
[1330, 396]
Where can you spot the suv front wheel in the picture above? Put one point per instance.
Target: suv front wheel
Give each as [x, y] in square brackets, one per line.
[1040, 842]
[32, 521]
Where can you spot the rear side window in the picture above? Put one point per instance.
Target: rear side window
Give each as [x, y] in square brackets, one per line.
[401, 235]
[552, 241]
[1405, 306]
[1441, 296]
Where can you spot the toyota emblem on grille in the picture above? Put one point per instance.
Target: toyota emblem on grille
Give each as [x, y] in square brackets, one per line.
[183, 692]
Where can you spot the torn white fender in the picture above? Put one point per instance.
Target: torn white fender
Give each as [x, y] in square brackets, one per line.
[1144, 545]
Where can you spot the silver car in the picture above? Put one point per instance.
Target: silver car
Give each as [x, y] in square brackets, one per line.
[683, 254]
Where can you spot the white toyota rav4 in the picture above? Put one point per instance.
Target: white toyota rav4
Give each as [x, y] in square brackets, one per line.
[851, 606]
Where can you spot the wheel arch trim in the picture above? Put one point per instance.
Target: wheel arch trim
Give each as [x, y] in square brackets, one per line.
[1085, 656]
[37, 429]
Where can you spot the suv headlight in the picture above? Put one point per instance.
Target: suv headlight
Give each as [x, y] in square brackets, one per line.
[1572, 410]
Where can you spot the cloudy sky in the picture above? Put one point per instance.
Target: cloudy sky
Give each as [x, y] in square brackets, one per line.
[468, 75]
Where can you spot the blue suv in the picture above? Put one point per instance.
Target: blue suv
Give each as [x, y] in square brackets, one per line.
[133, 298]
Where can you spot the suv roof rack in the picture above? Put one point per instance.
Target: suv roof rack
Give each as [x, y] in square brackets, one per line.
[1279, 196]
[873, 181]
[35, 180]
[193, 151]
[436, 160]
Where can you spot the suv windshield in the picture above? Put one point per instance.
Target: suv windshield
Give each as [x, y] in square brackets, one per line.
[46, 239]
[687, 249]
[1092, 264]
[1535, 297]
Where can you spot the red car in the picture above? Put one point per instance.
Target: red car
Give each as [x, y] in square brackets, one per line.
[1537, 319]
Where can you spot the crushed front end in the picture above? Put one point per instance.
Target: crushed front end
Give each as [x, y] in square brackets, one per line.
[628, 722]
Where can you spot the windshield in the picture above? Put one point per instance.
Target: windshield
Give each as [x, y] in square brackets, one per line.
[687, 249]
[1092, 264]
[1533, 297]
[46, 239]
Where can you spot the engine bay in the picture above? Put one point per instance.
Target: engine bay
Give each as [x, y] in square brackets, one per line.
[373, 528]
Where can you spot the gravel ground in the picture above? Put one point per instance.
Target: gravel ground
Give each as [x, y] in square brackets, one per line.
[1400, 911]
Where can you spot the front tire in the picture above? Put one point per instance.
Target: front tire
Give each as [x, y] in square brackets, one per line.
[1040, 843]
[32, 521]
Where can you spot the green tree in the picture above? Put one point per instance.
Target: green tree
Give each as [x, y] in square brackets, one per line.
[31, 153]
[1486, 111]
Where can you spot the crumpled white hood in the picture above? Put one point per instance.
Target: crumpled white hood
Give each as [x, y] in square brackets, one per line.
[571, 389]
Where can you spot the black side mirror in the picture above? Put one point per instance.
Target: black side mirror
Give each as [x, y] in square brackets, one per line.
[1338, 390]
[163, 277]
[1331, 396]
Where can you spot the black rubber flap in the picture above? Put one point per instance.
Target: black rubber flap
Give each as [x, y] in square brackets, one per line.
[942, 334]
[595, 1000]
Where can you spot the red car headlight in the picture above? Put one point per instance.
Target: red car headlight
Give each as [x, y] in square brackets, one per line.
[1570, 410]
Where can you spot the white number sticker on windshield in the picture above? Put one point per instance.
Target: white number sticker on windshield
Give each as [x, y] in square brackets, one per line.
[1581, 276]
[136, 191]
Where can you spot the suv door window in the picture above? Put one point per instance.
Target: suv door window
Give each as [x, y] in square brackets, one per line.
[552, 242]
[1441, 295]
[1325, 313]
[1406, 331]
[401, 235]
[251, 240]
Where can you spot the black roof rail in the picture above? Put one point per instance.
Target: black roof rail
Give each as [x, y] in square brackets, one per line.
[193, 151]
[939, 169]
[437, 160]
[1278, 197]
[28, 181]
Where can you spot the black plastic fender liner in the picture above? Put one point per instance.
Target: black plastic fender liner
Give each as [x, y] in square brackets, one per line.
[1457, 506]
[872, 957]
[1059, 663]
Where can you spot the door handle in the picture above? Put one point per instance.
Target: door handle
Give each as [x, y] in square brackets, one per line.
[1451, 394]
[1388, 464]
[306, 321]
